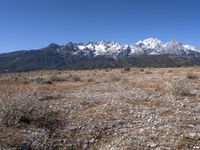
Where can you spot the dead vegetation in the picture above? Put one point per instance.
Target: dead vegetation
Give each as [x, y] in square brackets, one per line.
[190, 141]
[22, 108]
[182, 88]
[127, 69]
[192, 76]
[129, 108]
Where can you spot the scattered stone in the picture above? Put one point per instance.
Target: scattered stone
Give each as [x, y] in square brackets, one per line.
[44, 98]
[85, 146]
[92, 141]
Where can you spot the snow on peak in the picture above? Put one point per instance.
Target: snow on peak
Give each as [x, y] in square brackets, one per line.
[106, 47]
[150, 43]
[81, 47]
[150, 46]
[190, 47]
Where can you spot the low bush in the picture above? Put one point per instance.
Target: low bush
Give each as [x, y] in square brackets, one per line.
[148, 72]
[90, 80]
[56, 78]
[115, 79]
[76, 78]
[170, 71]
[41, 80]
[141, 69]
[192, 76]
[22, 108]
[182, 89]
[189, 141]
[127, 69]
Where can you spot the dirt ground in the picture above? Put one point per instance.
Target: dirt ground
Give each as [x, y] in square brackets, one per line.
[109, 109]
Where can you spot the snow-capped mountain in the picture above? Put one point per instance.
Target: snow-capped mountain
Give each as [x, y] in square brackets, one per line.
[104, 54]
[149, 43]
[149, 46]
[102, 48]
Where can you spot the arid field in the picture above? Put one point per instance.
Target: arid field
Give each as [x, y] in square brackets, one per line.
[110, 109]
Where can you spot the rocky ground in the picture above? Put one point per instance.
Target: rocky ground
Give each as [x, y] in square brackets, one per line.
[112, 109]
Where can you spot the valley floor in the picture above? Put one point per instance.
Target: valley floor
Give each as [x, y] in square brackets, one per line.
[112, 109]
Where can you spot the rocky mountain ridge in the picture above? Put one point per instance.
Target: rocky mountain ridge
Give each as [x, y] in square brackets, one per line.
[104, 54]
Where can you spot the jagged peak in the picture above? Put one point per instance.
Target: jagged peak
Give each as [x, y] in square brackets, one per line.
[71, 43]
[107, 42]
[53, 45]
[174, 41]
[150, 43]
[153, 39]
[149, 40]
[148, 46]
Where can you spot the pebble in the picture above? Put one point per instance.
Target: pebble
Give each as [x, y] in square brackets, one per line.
[85, 146]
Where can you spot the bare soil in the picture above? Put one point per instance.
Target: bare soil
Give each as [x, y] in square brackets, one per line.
[110, 109]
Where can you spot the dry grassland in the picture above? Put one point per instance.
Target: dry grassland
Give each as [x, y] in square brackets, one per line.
[112, 109]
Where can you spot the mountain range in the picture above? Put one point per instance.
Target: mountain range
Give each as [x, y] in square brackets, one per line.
[104, 54]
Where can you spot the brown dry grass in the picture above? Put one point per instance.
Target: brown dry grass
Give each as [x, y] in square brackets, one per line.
[136, 108]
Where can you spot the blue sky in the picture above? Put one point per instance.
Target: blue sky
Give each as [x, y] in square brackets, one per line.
[31, 24]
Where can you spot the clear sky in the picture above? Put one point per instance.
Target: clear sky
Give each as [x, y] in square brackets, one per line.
[31, 24]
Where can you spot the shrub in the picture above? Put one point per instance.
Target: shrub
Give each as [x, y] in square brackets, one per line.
[76, 78]
[47, 82]
[127, 68]
[108, 69]
[56, 78]
[141, 69]
[22, 108]
[90, 80]
[187, 141]
[170, 71]
[181, 88]
[38, 79]
[115, 79]
[148, 72]
[192, 76]
[41, 80]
